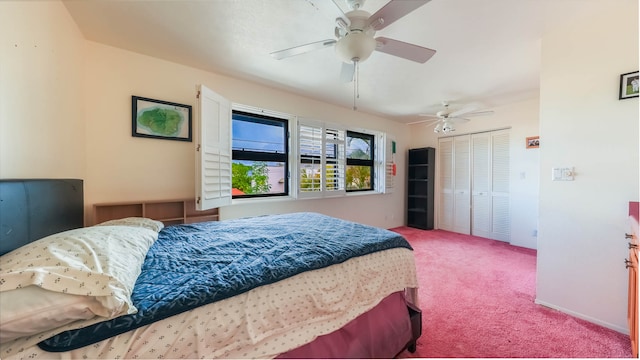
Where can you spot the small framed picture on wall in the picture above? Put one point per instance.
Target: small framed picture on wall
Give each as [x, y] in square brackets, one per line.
[533, 142]
[629, 85]
[159, 119]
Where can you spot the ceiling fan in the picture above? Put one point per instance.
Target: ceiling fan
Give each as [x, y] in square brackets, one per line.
[447, 117]
[354, 37]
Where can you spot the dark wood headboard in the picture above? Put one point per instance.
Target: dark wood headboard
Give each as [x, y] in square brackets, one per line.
[31, 209]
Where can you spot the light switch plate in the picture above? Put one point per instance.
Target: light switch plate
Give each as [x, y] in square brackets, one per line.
[562, 174]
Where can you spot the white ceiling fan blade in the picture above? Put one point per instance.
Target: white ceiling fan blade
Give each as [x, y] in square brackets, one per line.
[458, 120]
[347, 71]
[404, 50]
[429, 115]
[342, 20]
[429, 121]
[464, 110]
[297, 50]
[479, 113]
[392, 11]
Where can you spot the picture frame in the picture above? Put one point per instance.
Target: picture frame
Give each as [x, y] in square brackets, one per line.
[533, 142]
[629, 85]
[158, 119]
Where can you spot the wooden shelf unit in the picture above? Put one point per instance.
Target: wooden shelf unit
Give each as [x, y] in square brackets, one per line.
[170, 212]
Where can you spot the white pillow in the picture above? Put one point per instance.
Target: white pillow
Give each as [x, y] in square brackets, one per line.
[136, 221]
[99, 263]
[32, 310]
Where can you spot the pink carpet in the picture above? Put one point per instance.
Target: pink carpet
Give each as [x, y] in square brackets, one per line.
[477, 299]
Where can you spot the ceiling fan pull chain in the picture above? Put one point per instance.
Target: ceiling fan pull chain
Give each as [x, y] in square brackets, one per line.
[358, 79]
[356, 93]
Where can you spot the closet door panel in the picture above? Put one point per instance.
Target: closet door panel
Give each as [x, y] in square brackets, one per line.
[501, 224]
[445, 220]
[500, 160]
[481, 185]
[500, 186]
[445, 169]
[462, 184]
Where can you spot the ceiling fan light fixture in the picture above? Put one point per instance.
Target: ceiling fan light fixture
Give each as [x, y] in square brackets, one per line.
[447, 128]
[438, 128]
[355, 45]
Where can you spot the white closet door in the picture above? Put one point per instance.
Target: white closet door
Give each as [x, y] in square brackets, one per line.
[462, 184]
[501, 213]
[481, 185]
[474, 185]
[445, 170]
[490, 186]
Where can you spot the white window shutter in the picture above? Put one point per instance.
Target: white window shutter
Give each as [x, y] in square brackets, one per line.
[213, 149]
[321, 159]
[334, 161]
[309, 161]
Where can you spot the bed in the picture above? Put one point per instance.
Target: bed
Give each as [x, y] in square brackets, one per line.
[277, 286]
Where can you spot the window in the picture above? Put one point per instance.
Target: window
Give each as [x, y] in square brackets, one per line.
[360, 161]
[246, 151]
[259, 155]
[332, 161]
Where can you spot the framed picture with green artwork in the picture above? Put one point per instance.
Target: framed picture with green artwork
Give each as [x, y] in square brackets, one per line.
[160, 119]
[629, 85]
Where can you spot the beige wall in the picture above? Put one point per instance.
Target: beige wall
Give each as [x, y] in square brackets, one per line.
[42, 130]
[522, 120]
[122, 167]
[581, 245]
[66, 112]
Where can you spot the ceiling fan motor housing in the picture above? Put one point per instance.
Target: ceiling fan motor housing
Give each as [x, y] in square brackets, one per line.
[355, 47]
[358, 43]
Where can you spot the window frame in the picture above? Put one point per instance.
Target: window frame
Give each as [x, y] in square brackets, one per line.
[361, 162]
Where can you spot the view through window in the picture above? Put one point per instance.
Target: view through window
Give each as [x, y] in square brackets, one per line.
[260, 154]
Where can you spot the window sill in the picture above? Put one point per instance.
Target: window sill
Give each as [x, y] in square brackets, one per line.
[361, 193]
[261, 200]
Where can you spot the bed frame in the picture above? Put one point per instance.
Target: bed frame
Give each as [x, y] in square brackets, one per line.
[34, 208]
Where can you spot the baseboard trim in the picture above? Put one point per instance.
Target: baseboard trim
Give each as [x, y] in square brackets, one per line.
[590, 319]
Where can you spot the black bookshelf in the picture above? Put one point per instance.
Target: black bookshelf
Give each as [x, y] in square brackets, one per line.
[420, 188]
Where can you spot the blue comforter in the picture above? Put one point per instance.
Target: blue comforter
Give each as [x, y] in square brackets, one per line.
[193, 265]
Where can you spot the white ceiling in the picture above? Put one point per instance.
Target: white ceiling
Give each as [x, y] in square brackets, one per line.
[488, 51]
